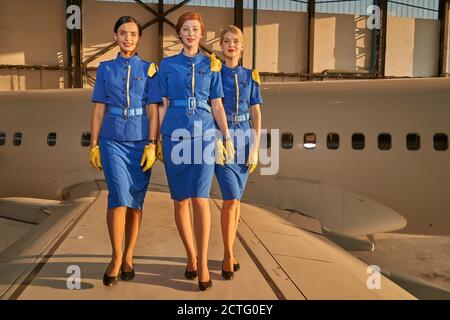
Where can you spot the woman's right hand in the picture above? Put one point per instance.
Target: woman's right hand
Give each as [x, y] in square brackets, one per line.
[220, 152]
[94, 158]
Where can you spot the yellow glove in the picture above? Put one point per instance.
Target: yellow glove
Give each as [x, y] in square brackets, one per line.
[252, 160]
[148, 158]
[94, 158]
[159, 150]
[229, 152]
[221, 152]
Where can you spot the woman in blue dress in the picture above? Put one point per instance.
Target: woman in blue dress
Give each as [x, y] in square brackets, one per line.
[242, 103]
[191, 87]
[124, 129]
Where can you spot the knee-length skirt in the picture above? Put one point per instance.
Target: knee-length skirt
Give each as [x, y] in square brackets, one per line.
[189, 165]
[127, 184]
[232, 177]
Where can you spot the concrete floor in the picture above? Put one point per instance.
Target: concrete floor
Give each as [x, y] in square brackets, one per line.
[424, 257]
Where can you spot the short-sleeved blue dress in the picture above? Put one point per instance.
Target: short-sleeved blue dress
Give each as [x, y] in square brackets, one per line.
[126, 87]
[188, 129]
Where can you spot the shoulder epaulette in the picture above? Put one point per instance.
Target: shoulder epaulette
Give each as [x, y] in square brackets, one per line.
[255, 77]
[216, 64]
[152, 69]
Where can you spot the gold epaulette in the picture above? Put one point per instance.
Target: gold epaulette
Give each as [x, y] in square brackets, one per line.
[216, 64]
[255, 77]
[152, 70]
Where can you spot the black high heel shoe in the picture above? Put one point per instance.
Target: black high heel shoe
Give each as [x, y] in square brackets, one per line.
[190, 275]
[205, 285]
[110, 281]
[236, 267]
[228, 275]
[127, 276]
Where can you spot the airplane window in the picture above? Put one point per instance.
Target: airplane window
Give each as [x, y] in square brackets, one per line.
[51, 139]
[384, 141]
[333, 141]
[358, 141]
[17, 139]
[2, 138]
[287, 140]
[266, 140]
[413, 141]
[85, 139]
[309, 140]
[440, 142]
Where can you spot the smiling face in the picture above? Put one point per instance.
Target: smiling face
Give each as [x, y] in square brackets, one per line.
[232, 45]
[191, 33]
[127, 37]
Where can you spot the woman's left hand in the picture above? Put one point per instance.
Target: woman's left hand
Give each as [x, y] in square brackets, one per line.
[220, 152]
[149, 157]
[94, 158]
[252, 161]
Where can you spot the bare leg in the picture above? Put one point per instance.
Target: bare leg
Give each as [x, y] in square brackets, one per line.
[184, 226]
[238, 217]
[202, 226]
[132, 226]
[228, 224]
[115, 219]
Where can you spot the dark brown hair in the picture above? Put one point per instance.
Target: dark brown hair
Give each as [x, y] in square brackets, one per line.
[127, 19]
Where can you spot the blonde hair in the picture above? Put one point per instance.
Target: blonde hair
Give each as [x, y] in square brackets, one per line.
[234, 30]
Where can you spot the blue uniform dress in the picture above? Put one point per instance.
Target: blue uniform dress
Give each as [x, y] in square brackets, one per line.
[125, 86]
[188, 129]
[241, 92]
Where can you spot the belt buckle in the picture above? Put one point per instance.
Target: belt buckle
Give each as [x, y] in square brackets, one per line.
[235, 119]
[125, 113]
[192, 103]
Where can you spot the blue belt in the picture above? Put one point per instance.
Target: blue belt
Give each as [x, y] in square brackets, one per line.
[190, 104]
[126, 112]
[238, 118]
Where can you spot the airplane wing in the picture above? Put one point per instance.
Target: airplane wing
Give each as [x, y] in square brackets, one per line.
[283, 255]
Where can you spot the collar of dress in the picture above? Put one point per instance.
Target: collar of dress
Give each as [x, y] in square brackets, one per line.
[191, 60]
[130, 60]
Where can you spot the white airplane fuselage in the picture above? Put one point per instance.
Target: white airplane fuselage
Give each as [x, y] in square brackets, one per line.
[356, 192]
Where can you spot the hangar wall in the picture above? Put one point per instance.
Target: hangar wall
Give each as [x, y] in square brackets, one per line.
[34, 33]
